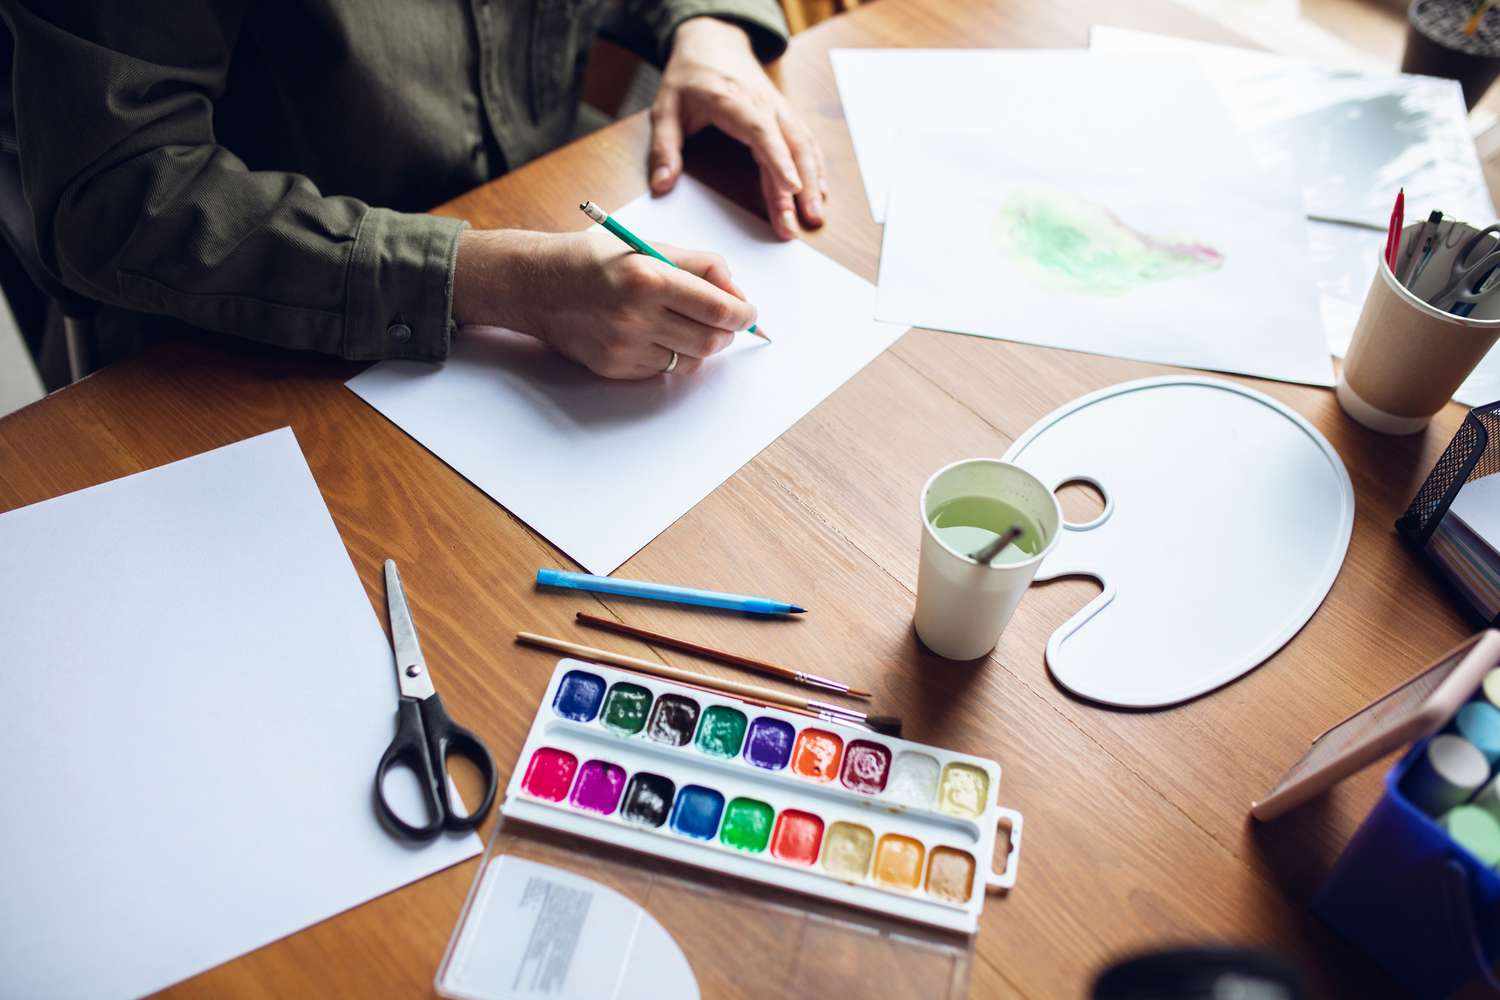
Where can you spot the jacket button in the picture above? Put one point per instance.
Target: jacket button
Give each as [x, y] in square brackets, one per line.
[399, 332]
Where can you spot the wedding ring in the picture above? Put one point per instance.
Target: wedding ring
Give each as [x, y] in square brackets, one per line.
[670, 364]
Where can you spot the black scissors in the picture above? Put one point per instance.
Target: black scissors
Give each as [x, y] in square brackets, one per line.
[425, 736]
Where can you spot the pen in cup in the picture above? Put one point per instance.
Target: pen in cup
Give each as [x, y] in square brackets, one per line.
[1426, 241]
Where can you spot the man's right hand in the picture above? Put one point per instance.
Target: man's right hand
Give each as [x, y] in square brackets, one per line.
[619, 313]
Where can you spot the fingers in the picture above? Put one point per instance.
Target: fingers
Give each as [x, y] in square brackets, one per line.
[688, 338]
[696, 298]
[665, 160]
[780, 179]
[708, 266]
[659, 358]
[693, 310]
[780, 208]
[686, 365]
[822, 169]
[759, 129]
[804, 149]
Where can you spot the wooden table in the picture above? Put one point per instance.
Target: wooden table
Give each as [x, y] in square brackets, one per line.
[1136, 832]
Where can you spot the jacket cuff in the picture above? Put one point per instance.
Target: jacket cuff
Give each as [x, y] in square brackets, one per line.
[762, 20]
[400, 287]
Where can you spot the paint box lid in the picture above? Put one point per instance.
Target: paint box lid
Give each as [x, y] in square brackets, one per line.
[551, 905]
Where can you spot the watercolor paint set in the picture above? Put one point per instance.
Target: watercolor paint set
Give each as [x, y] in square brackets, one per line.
[888, 825]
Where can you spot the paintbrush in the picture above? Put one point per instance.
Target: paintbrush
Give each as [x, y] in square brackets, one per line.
[993, 549]
[885, 725]
[709, 652]
[827, 710]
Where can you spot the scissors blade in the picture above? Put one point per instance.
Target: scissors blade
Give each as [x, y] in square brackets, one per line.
[411, 668]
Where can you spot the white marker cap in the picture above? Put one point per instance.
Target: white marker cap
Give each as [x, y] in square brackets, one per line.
[1446, 775]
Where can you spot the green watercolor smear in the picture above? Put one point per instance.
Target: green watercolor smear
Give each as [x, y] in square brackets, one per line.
[625, 708]
[747, 825]
[721, 731]
[1072, 244]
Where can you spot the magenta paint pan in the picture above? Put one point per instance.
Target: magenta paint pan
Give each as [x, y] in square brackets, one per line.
[598, 787]
[871, 829]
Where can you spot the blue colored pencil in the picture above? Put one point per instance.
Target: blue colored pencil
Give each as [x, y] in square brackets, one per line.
[664, 592]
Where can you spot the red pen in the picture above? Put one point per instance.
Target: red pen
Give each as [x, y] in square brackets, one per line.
[1393, 231]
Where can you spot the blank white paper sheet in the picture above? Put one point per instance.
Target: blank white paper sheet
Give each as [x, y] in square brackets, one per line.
[601, 467]
[197, 692]
[1076, 105]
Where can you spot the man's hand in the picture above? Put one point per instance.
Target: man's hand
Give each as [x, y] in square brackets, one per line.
[713, 78]
[620, 314]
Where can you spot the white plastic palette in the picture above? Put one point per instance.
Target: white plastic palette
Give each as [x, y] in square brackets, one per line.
[888, 825]
[1226, 519]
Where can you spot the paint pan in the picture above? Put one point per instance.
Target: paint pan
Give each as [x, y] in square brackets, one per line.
[834, 811]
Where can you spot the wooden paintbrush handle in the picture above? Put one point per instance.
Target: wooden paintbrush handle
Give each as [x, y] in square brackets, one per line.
[722, 655]
[660, 669]
[686, 645]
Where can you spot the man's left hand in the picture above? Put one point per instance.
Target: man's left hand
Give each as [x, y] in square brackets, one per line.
[713, 78]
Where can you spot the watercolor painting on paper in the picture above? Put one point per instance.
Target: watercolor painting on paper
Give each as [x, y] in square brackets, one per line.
[1071, 243]
[997, 235]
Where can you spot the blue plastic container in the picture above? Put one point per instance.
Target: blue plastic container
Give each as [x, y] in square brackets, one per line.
[1418, 903]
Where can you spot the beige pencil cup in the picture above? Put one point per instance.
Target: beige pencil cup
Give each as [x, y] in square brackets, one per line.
[1408, 357]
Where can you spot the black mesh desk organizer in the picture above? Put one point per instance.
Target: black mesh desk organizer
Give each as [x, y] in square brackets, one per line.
[1473, 454]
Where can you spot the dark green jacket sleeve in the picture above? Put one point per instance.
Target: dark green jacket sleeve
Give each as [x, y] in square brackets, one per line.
[761, 19]
[137, 206]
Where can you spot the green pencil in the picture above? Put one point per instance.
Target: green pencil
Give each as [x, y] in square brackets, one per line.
[639, 245]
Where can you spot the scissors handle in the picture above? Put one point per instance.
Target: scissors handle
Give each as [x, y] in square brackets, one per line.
[425, 738]
[409, 749]
[446, 738]
[1471, 269]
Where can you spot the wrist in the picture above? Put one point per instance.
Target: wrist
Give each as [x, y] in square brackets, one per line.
[705, 30]
[488, 277]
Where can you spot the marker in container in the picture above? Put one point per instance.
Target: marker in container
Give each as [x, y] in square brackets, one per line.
[1476, 831]
[1427, 240]
[1491, 687]
[1479, 723]
[1447, 774]
[1488, 798]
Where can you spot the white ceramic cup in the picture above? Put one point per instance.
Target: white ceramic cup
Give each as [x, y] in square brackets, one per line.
[963, 606]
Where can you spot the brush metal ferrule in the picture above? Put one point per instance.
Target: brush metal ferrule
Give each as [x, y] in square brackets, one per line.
[839, 719]
[832, 709]
[822, 682]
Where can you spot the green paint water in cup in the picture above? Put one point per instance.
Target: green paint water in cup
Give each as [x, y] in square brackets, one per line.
[967, 524]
